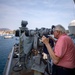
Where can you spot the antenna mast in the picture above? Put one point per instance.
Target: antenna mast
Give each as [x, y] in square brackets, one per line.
[74, 1]
[74, 6]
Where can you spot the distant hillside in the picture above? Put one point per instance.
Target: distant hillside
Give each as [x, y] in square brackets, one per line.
[4, 29]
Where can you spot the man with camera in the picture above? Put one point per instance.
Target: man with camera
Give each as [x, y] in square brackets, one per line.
[63, 55]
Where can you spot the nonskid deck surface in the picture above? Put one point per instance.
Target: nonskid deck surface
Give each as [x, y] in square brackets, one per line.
[21, 71]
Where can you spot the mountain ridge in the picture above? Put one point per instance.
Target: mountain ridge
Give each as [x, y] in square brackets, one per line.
[4, 29]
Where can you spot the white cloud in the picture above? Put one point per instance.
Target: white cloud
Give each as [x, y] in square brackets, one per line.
[38, 13]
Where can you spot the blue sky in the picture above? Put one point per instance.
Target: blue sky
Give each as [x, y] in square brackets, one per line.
[38, 13]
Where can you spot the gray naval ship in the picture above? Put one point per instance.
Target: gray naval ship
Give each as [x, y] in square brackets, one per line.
[26, 57]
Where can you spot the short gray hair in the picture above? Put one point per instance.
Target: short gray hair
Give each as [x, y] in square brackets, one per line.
[59, 27]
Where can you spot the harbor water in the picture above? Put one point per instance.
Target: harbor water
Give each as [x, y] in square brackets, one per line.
[5, 48]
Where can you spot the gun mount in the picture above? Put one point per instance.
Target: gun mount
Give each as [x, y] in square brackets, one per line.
[31, 48]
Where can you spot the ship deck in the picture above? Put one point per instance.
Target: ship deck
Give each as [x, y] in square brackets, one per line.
[12, 69]
[21, 71]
